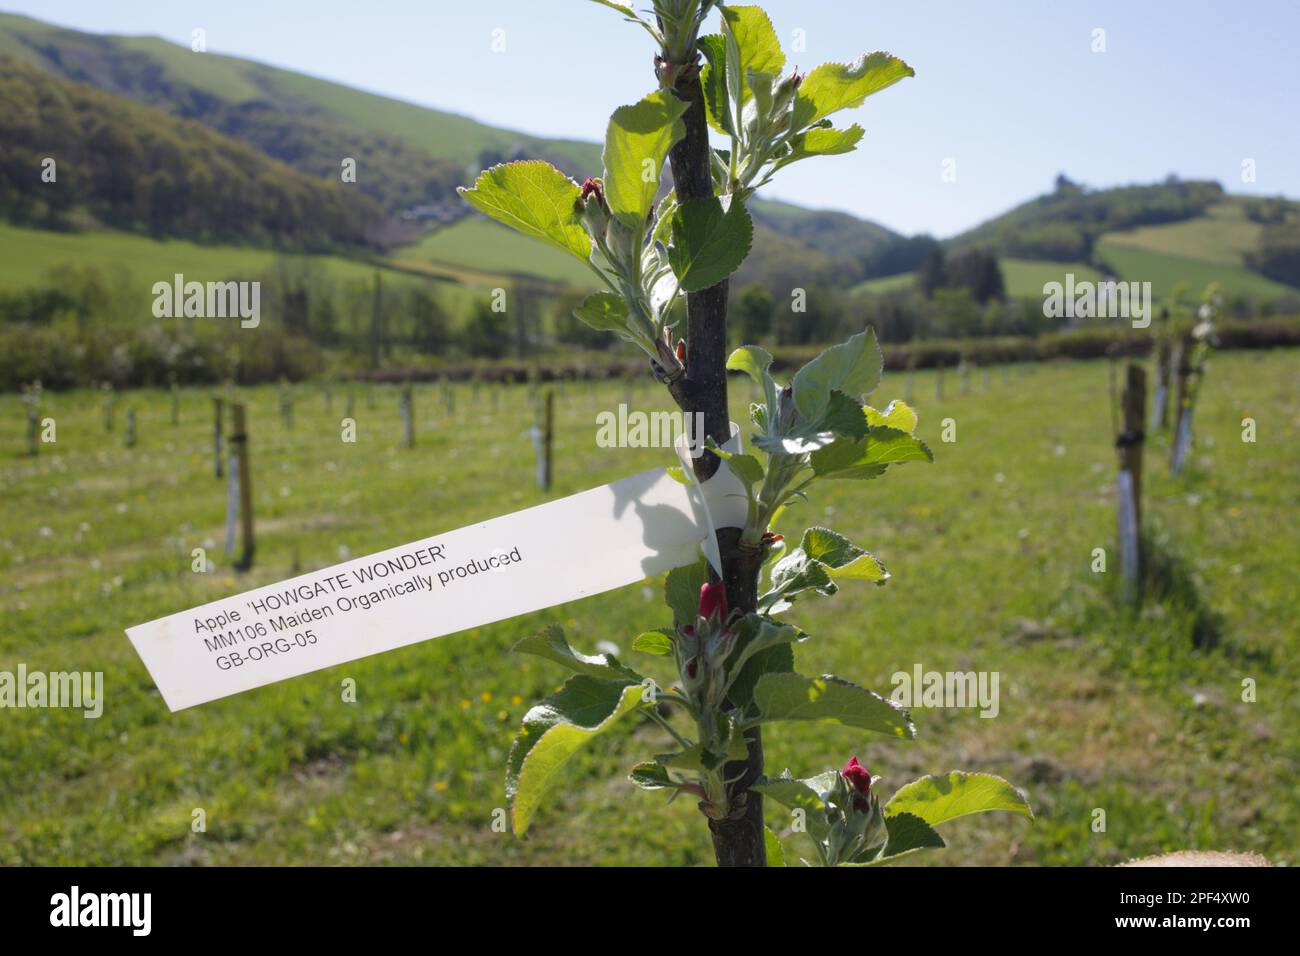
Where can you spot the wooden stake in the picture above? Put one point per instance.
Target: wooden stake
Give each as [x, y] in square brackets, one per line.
[1181, 370]
[1160, 409]
[1128, 444]
[542, 435]
[408, 417]
[239, 466]
[218, 406]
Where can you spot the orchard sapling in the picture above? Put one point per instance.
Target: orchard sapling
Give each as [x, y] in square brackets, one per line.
[728, 645]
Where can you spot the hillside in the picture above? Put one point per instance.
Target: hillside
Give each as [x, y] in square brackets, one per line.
[414, 154]
[140, 168]
[410, 158]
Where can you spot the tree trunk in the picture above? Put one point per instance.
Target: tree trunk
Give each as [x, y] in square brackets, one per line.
[737, 841]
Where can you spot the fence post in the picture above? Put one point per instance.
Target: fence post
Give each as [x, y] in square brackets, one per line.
[130, 427]
[408, 416]
[1160, 406]
[1129, 443]
[542, 432]
[240, 473]
[1180, 365]
[218, 405]
[109, 404]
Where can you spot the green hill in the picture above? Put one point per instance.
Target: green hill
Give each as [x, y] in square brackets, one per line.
[414, 154]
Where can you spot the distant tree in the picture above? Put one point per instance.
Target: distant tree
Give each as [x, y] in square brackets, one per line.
[430, 325]
[897, 256]
[978, 271]
[933, 272]
[752, 313]
[486, 333]
[1065, 185]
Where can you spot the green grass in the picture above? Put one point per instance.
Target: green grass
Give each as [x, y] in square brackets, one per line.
[1222, 236]
[1165, 272]
[895, 283]
[1022, 277]
[27, 255]
[477, 243]
[1026, 277]
[989, 548]
[446, 135]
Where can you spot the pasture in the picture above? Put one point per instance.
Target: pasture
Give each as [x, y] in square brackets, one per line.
[989, 547]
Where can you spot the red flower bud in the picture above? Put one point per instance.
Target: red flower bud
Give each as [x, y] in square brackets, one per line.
[593, 186]
[681, 351]
[692, 667]
[859, 777]
[769, 538]
[796, 78]
[713, 597]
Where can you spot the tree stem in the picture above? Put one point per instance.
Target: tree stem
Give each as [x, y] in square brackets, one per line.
[737, 841]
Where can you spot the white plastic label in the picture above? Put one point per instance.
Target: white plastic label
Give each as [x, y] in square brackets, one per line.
[572, 548]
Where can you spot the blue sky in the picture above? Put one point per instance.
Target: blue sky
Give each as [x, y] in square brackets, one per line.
[1010, 90]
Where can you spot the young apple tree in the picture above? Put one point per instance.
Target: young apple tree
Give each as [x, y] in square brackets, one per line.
[730, 640]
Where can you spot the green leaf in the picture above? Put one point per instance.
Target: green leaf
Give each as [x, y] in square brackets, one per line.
[937, 799]
[822, 558]
[756, 45]
[823, 141]
[682, 591]
[713, 79]
[747, 467]
[844, 559]
[678, 474]
[710, 239]
[604, 312]
[852, 367]
[636, 143]
[751, 360]
[897, 415]
[906, 834]
[889, 446]
[777, 659]
[693, 757]
[551, 644]
[658, 642]
[844, 417]
[651, 776]
[828, 698]
[837, 86]
[754, 634]
[868, 459]
[552, 732]
[802, 795]
[534, 198]
[774, 852]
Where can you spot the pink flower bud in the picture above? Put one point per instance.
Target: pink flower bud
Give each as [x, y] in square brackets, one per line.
[713, 597]
[859, 777]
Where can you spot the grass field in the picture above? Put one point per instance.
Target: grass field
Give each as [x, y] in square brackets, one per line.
[1026, 277]
[989, 547]
[1165, 272]
[1021, 277]
[27, 255]
[479, 244]
[1222, 236]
